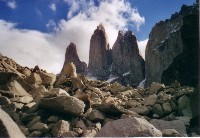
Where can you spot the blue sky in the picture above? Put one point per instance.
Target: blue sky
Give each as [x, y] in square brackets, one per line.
[38, 25]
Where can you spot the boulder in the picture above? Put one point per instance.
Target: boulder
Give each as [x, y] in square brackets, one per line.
[184, 107]
[24, 99]
[77, 83]
[155, 87]
[96, 116]
[17, 89]
[59, 92]
[129, 127]
[47, 78]
[34, 78]
[63, 104]
[39, 127]
[167, 108]
[151, 100]
[69, 70]
[170, 133]
[8, 128]
[142, 110]
[157, 109]
[71, 55]
[178, 125]
[60, 128]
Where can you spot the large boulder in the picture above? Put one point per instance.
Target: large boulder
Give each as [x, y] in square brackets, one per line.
[178, 125]
[17, 89]
[63, 104]
[129, 127]
[8, 128]
[71, 55]
[34, 78]
[47, 78]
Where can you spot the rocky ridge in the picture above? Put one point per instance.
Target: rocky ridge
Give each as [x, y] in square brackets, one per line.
[74, 106]
[172, 50]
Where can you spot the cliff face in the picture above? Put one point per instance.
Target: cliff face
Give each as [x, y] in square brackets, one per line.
[99, 54]
[172, 50]
[71, 55]
[127, 60]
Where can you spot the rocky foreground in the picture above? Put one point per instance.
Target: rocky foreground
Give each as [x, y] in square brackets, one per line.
[35, 103]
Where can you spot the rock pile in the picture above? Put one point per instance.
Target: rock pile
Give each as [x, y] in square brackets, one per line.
[75, 106]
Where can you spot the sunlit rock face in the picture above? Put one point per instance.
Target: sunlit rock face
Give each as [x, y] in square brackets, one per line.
[99, 54]
[172, 50]
[71, 55]
[127, 61]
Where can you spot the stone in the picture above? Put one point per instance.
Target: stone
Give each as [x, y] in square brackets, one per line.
[170, 133]
[41, 90]
[99, 60]
[142, 110]
[59, 92]
[157, 109]
[60, 128]
[17, 89]
[25, 118]
[69, 134]
[4, 100]
[184, 107]
[9, 108]
[47, 78]
[28, 106]
[129, 127]
[24, 99]
[69, 70]
[53, 119]
[151, 100]
[71, 55]
[167, 108]
[155, 87]
[96, 115]
[115, 88]
[33, 121]
[35, 134]
[8, 128]
[77, 83]
[80, 124]
[39, 127]
[89, 133]
[178, 125]
[18, 105]
[127, 61]
[63, 104]
[34, 78]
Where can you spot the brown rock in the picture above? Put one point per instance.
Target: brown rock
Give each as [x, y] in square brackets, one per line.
[170, 133]
[8, 128]
[17, 89]
[98, 56]
[129, 127]
[63, 104]
[71, 55]
[47, 78]
[127, 62]
[155, 87]
[60, 128]
[34, 78]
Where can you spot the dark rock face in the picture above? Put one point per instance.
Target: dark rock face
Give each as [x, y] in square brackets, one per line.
[126, 58]
[71, 55]
[99, 54]
[172, 50]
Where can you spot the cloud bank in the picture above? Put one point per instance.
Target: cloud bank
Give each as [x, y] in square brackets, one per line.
[30, 48]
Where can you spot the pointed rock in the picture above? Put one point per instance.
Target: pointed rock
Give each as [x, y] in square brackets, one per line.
[98, 55]
[71, 55]
[126, 58]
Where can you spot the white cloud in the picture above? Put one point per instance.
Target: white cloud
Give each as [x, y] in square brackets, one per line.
[31, 48]
[142, 47]
[11, 4]
[52, 6]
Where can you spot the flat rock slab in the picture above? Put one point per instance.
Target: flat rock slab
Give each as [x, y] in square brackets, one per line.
[8, 128]
[129, 127]
[63, 104]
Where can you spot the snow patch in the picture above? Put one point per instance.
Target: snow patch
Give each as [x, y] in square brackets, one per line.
[141, 84]
[125, 74]
[111, 79]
